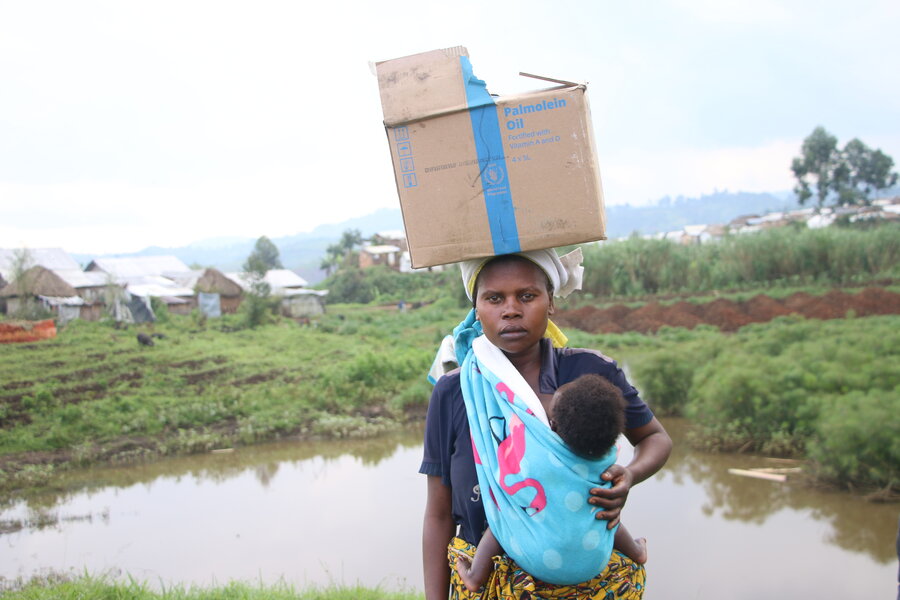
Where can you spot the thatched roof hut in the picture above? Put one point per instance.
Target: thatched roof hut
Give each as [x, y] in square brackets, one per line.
[214, 281]
[40, 282]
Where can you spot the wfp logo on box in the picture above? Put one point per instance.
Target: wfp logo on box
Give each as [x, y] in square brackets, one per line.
[494, 174]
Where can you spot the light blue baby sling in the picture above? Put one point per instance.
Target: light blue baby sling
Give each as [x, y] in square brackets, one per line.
[534, 488]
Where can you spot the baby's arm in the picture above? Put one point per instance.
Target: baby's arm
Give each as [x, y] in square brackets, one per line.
[633, 548]
[475, 572]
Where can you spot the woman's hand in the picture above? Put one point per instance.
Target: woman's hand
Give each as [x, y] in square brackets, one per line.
[612, 499]
[652, 446]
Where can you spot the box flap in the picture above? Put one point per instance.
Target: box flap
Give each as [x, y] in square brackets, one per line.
[422, 85]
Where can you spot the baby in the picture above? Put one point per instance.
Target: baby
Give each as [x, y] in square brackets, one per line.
[588, 414]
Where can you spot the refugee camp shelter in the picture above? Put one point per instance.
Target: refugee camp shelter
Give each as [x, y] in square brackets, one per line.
[150, 276]
[54, 259]
[92, 288]
[297, 300]
[217, 292]
[178, 299]
[46, 287]
[383, 254]
[299, 303]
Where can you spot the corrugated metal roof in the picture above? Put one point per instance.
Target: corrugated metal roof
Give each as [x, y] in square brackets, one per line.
[55, 259]
[278, 279]
[82, 279]
[128, 269]
[306, 292]
[382, 249]
[159, 289]
[63, 300]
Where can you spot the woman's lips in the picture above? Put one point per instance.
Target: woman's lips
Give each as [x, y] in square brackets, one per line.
[513, 332]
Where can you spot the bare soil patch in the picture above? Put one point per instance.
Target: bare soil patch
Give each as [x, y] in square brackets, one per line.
[729, 315]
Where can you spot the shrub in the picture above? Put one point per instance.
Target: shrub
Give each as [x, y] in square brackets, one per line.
[857, 438]
[750, 397]
[665, 380]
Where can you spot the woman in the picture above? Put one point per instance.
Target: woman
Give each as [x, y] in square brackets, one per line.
[513, 300]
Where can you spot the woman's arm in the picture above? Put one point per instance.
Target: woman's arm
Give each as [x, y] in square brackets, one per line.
[437, 530]
[652, 446]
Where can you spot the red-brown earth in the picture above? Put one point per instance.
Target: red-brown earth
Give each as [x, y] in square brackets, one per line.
[729, 315]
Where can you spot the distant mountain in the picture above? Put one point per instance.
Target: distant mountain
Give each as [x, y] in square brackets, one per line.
[670, 214]
[303, 252]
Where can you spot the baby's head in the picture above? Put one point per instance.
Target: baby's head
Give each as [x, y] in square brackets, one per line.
[588, 414]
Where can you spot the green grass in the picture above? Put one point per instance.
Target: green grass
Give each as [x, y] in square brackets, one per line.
[93, 393]
[101, 588]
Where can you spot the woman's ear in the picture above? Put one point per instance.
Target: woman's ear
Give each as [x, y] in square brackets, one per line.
[552, 308]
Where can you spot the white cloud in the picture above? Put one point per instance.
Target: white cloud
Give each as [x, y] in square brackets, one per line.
[648, 175]
[129, 124]
[735, 11]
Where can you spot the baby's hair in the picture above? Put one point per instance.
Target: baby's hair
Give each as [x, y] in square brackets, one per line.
[589, 415]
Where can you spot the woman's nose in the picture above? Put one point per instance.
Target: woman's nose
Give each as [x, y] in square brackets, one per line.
[511, 308]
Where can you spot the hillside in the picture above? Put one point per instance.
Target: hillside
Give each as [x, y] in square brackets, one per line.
[303, 252]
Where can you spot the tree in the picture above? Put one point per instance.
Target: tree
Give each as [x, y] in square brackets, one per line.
[816, 166]
[866, 172]
[848, 176]
[263, 258]
[340, 254]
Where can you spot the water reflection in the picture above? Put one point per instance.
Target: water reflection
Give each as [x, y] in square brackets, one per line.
[304, 512]
[351, 511]
[856, 525]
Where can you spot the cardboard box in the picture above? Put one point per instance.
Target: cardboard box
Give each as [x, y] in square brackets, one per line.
[479, 175]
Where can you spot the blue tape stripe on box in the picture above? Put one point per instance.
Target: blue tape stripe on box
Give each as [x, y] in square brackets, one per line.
[491, 162]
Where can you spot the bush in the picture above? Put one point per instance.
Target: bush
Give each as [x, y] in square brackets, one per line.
[765, 391]
[160, 309]
[386, 286]
[742, 403]
[665, 380]
[258, 307]
[857, 438]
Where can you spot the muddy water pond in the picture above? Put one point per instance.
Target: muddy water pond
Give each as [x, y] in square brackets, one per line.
[350, 511]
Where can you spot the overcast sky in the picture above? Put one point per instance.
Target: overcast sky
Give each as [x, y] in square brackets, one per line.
[128, 124]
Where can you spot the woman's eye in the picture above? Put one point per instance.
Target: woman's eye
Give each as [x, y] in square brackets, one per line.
[527, 296]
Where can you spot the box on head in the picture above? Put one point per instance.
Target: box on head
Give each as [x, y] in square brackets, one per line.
[480, 175]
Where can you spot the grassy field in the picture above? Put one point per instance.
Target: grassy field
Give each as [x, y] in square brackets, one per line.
[94, 394]
[101, 588]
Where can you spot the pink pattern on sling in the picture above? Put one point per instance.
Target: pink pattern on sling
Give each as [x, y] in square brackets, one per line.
[509, 458]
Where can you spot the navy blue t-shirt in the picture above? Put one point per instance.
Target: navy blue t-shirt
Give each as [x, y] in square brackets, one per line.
[448, 446]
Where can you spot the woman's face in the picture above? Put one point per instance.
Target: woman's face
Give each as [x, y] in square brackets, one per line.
[513, 304]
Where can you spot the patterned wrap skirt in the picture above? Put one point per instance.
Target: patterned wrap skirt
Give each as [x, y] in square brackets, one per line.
[621, 579]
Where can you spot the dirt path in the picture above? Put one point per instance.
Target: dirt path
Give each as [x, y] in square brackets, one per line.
[728, 315]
